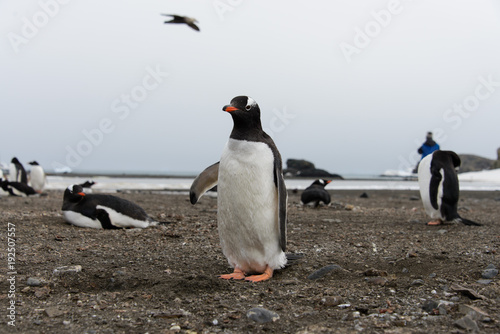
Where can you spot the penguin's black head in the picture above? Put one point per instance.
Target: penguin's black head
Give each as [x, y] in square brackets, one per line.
[34, 163]
[321, 182]
[245, 113]
[15, 161]
[74, 193]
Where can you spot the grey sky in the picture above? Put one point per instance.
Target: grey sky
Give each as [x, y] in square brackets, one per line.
[352, 87]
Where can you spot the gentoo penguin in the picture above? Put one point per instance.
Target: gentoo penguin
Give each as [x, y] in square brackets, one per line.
[316, 193]
[17, 188]
[102, 211]
[17, 173]
[252, 198]
[87, 186]
[183, 19]
[439, 189]
[37, 177]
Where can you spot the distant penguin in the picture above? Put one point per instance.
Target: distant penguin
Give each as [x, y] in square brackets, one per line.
[102, 211]
[17, 188]
[87, 186]
[316, 193]
[252, 198]
[439, 188]
[17, 173]
[37, 177]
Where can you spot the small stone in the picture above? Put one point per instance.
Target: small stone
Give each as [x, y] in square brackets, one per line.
[467, 323]
[484, 281]
[262, 315]
[489, 273]
[432, 275]
[344, 305]
[175, 328]
[418, 282]
[431, 307]
[53, 312]
[68, 269]
[323, 271]
[66, 322]
[442, 231]
[331, 301]
[33, 281]
[364, 195]
[349, 207]
[491, 266]
[405, 271]
[475, 313]
[329, 220]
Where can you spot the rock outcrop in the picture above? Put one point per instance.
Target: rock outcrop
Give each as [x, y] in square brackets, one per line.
[304, 168]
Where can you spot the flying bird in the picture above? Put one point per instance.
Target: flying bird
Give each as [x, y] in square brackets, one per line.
[183, 19]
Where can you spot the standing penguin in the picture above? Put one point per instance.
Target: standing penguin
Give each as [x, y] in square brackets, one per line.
[17, 173]
[102, 211]
[37, 177]
[316, 193]
[252, 198]
[439, 188]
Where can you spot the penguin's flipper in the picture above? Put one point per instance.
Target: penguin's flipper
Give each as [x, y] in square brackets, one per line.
[436, 179]
[282, 200]
[203, 182]
[103, 217]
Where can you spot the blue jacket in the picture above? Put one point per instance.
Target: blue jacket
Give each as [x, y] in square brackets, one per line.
[427, 148]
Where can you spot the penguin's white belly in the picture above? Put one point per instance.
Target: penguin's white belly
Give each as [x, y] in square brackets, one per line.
[248, 207]
[120, 220]
[424, 180]
[37, 178]
[80, 220]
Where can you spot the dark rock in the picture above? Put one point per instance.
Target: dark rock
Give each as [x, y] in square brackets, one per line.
[376, 280]
[304, 168]
[467, 323]
[364, 195]
[418, 282]
[431, 307]
[489, 273]
[262, 315]
[33, 281]
[414, 198]
[484, 281]
[472, 163]
[323, 271]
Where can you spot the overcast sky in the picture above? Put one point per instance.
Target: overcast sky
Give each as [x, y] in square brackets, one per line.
[352, 86]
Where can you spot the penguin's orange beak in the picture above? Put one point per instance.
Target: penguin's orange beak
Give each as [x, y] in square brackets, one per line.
[328, 181]
[229, 108]
[81, 194]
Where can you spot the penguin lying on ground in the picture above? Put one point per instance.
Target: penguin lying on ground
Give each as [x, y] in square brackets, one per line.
[252, 198]
[102, 211]
[439, 188]
[37, 177]
[17, 188]
[316, 193]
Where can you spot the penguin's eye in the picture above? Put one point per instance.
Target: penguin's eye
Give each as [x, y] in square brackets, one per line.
[248, 107]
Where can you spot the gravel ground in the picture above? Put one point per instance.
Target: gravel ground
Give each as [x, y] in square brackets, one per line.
[370, 265]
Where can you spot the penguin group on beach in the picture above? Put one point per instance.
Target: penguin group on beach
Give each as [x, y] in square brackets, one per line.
[102, 211]
[252, 198]
[439, 188]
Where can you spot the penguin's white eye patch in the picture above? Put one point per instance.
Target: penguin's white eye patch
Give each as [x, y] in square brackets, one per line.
[248, 107]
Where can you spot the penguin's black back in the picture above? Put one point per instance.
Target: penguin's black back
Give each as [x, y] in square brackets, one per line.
[446, 161]
[316, 192]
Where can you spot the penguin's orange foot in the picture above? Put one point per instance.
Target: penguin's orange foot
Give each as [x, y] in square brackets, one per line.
[268, 273]
[435, 222]
[237, 274]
